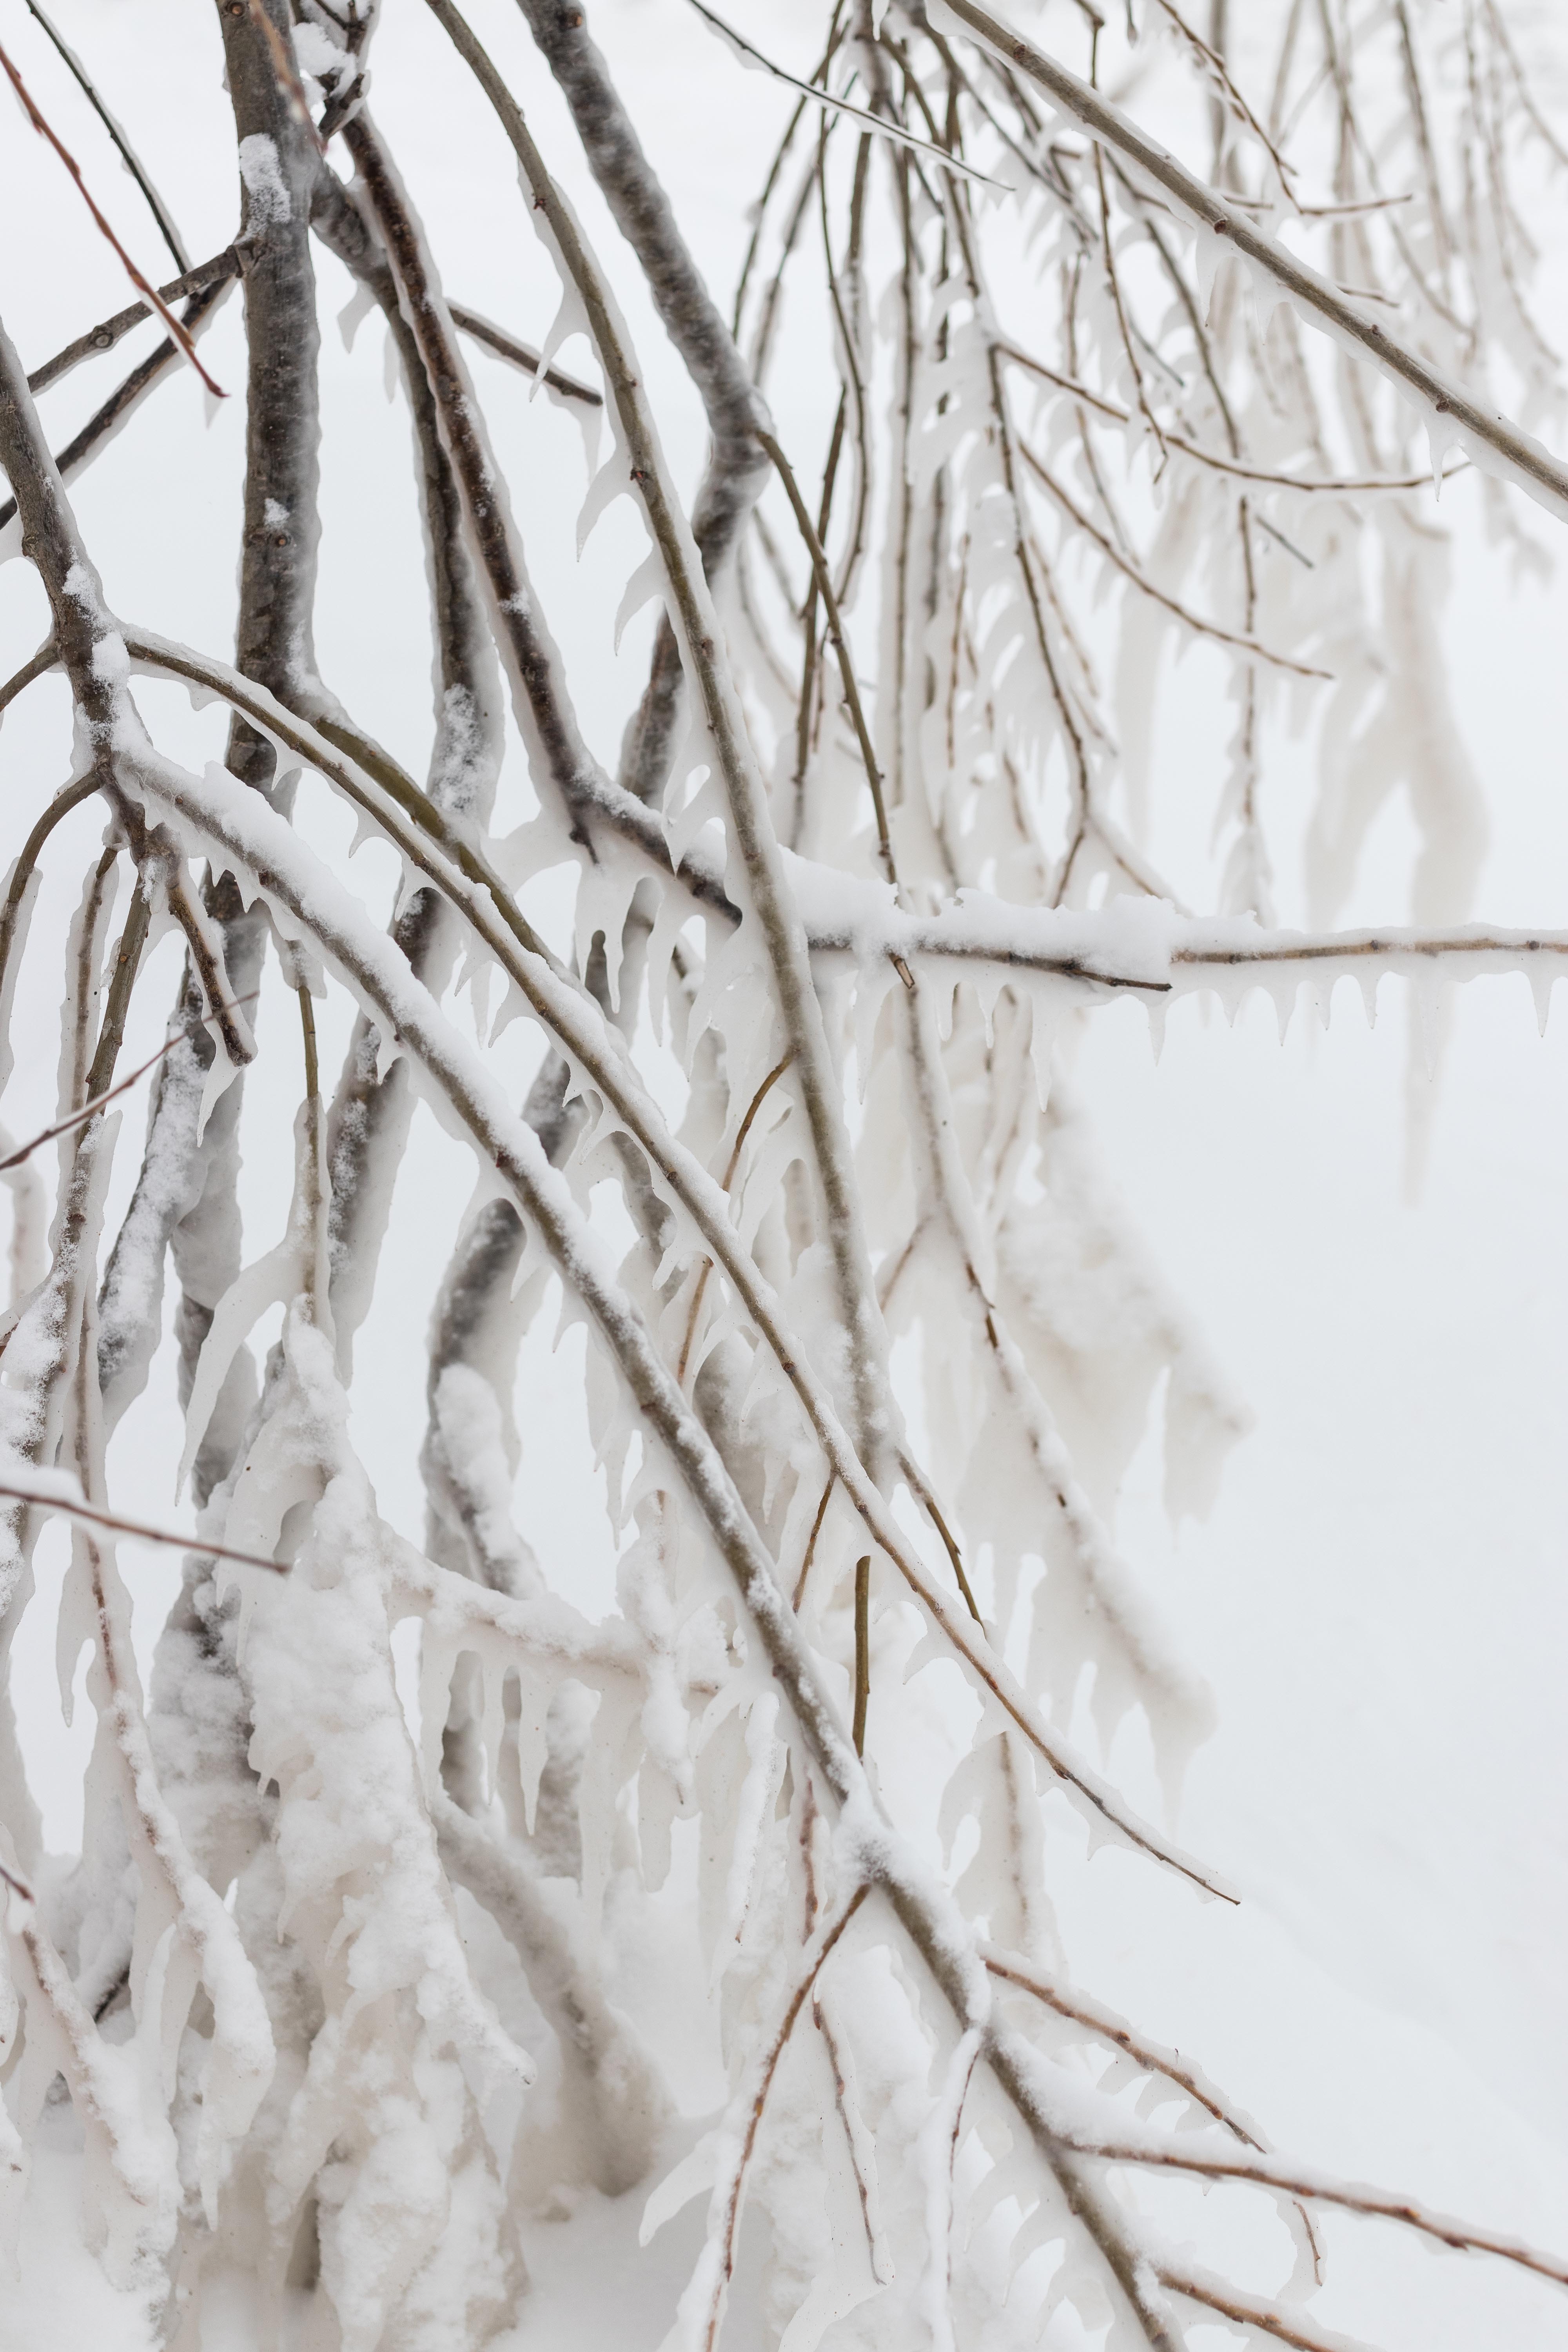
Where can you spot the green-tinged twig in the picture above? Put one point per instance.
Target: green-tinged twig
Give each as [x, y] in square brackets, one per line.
[862, 1649]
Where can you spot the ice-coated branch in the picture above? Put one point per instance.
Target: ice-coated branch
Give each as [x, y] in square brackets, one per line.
[55, 1490]
[136, 2151]
[1200, 624]
[824, 579]
[1010, 1968]
[116, 412]
[368, 1125]
[1451, 413]
[242, 830]
[521, 355]
[456, 1609]
[22, 1152]
[736, 469]
[697, 628]
[1284, 2324]
[702, 2310]
[1329, 486]
[279, 164]
[616, 2099]
[577, 1024]
[557, 753]
[1305, 2182]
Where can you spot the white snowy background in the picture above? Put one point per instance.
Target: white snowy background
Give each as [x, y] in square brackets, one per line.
[1380, 1599]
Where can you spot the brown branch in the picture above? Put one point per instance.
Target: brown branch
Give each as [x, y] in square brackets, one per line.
[521, 355]
[115, 1523]
[799, 1594]
[1377, 2204]
[798, 1005]
[109, 331]
[1146, 587]
[827, 1938]
[929, 1504]
[1348, 486]
[1253, 2311]
[1108, 2027]
[127, 396]
[824, 579]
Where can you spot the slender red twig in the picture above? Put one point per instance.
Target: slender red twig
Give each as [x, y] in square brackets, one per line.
[142, 284]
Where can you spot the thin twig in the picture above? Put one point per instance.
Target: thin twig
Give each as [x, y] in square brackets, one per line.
[881, 123]
[103, 337]
[824, 579]
[1104, 2023]
[932, 1509]
[38, 1499]
[862, 1649]
[104, 421]
[1147, 587]
[1348, 486]
[1252, 2310]
[128, 156]
[1377, 2204]
[774, 1076]
[100, 1102]
[521, 355]
[799, 1593]
[74, 168]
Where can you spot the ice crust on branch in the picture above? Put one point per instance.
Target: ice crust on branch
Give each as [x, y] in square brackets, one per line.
[457, 1883]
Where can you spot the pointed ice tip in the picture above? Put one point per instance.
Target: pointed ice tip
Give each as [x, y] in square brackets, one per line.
[1441, 437]
[1542, 977]
[1369, 978]
[645, 582]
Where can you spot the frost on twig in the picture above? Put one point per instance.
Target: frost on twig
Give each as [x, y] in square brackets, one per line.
[702, 1805]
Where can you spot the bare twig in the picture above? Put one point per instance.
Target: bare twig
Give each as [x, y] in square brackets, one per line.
[521, 355]
[133, 163]
[824, 579]
[100, 1102]
[881, 123]
[43, 1494]
[174, 325]
[1287, 2326]
[103, 337]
